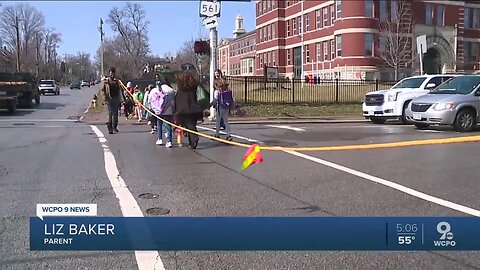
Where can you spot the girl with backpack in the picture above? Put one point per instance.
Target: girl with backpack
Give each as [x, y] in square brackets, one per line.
[222, 102]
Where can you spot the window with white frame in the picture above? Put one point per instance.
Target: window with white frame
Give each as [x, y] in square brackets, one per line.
[264, 6]
[332, 14]
[467, 14]
[269, 31]
[288, 28]
[250, 65]
[383, 11]
[475, 18]
[274, 25]
[383, 44]
[440, 15]
[394, 6]
[339, 45]
[274, 4]
[307, 53]
[369, 9]
[368, 44]
[274, 58]
[332, 48]
[261, 60]
[294, 23]
[339, 8]
[269, 6]
[300, 24]
[428, 14]
[325, 50]
[470, 51]
[307, 22]
[319, 51]
[318, 14]
[288, 57]
[326, 21]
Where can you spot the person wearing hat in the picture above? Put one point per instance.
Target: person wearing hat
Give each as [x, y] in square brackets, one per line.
[113, 97]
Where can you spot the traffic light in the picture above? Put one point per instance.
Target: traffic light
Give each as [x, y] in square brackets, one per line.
[201, 47]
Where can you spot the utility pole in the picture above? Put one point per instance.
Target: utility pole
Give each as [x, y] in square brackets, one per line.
[101, 47]
[38, 53]
[213, 67]
[17, 30]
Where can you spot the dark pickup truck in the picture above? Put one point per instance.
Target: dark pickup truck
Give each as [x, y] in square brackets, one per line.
[18, 89]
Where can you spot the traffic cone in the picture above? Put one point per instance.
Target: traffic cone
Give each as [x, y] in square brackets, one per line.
[178, 133]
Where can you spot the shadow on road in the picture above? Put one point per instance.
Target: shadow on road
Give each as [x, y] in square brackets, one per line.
[50, 106]
[19, 112]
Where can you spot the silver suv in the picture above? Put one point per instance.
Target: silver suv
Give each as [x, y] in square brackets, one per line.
[455, 102]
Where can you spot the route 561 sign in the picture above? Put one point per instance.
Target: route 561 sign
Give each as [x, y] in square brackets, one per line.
[209, 8]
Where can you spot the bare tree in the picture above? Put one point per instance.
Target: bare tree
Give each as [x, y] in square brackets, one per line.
[32, 22]
[131, 26]
[187, 55]
[395, 48]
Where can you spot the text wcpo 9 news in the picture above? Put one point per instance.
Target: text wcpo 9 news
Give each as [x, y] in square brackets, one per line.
[76, 227]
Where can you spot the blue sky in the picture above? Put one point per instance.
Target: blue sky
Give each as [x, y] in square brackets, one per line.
[171, 22]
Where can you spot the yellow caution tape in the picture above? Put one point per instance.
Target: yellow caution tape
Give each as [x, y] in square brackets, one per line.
[463, 139]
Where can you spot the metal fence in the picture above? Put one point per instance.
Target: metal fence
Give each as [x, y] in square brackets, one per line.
[286, 91]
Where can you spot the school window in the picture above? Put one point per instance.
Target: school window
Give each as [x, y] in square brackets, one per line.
[294, 22]
[274, 59]
[326, 21]
[264, 6]
[300, 25]
[475, 18]
[383, 44]
[332, 14]
[368, 44]
[369, 9]
[470, 51]
[318, 14]
[440, 15]
[269, 7]
[307, 22]
[319, 51]
[394, 5]
[339, 8]
[274, 4]
[339, 45]
[261, 60]
[332, 48]
[467, 14]
[288, 3]
[268, 59]
[273, 30]
[250, 65]
[428, 14]
[307, 53]
[383, 11]
[269, 32]
[325, 50]
[288, 28]
[288, 57]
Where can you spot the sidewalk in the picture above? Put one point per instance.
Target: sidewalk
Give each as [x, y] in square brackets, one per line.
[100, 118]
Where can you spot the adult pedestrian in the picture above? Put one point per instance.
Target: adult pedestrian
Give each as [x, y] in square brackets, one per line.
[188, 111]
[114, 97]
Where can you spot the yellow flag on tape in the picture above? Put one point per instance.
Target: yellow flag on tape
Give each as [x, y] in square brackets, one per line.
[252, 156]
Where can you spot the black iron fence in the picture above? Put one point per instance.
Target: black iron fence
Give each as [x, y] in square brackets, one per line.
[288, 91]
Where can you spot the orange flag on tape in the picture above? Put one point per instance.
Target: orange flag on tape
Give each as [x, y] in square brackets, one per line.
[252, 156]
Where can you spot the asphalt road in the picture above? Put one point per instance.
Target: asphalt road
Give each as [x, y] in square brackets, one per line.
[62, 161]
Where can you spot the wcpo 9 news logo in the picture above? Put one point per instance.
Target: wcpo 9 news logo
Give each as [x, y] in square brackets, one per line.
[446, 235]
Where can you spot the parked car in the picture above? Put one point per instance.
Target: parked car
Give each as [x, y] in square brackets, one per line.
[456, 103]
[379, 106]
[75, 85]
[85, 83]
[49, 86]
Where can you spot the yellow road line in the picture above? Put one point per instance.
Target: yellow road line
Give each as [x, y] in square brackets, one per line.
[463, 139]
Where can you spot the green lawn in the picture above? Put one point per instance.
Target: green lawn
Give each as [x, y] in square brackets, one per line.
[265, 110]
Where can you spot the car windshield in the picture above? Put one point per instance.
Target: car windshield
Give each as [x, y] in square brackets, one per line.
[46, 82]
[409, 83]
[462, 85]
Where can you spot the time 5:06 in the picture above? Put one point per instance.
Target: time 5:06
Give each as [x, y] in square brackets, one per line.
[407, 228]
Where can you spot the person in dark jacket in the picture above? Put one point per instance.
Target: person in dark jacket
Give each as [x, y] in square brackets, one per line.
[188, 111]
[113, 97]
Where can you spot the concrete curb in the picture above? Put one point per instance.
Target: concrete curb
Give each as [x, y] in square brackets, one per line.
[266, 122]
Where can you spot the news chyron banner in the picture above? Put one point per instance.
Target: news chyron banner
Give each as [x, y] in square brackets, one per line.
[77, 227]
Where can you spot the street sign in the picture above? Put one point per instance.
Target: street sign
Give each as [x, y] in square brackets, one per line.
[421, 44]
[210, 22]
[209, 9]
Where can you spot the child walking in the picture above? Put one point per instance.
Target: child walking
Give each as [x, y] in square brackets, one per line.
[223, 101]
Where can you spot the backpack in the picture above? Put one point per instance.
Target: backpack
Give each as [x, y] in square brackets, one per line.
[226, 99]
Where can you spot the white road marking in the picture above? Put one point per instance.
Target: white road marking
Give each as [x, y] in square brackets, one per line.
[390, 184]
[286, 127]
[146, 260]
[36, 120]
[432, 131]
[233, 135]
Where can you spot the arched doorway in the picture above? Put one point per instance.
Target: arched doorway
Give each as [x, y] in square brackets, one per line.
[432, 61]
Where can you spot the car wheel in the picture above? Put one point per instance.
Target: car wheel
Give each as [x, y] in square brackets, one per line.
[465, 121]
[421, 126]
[404, 116]
[378, 120]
